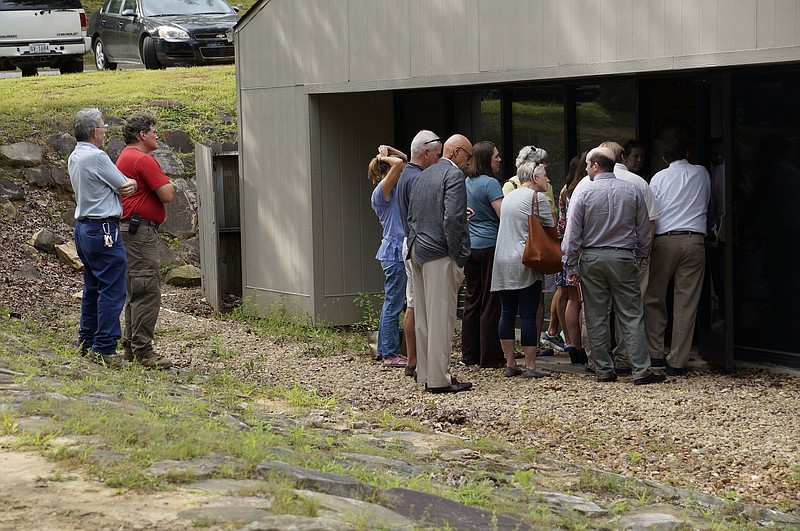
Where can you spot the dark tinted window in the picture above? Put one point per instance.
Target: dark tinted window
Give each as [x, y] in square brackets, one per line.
[765, 171]
[14, 5]
[185, 7]
[113, 7]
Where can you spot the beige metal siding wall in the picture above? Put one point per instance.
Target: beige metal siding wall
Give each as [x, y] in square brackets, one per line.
[348, 233]
[364, 45]
[275, 199]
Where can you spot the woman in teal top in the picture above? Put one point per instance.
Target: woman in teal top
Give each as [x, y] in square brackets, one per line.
[480, 342]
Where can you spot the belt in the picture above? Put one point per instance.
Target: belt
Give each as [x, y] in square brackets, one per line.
[143, 222]
[98, 220]
[612, 249]
[681, 233]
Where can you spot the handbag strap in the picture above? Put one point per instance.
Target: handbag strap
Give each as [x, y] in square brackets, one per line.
[535, 204]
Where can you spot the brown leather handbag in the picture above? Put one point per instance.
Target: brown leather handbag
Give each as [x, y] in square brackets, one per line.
[542, 249]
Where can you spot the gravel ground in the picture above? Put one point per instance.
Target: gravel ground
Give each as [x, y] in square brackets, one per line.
[735, 434]
[732, 434]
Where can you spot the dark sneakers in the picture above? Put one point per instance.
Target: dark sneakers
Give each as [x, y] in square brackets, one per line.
[674, 371]
[650, 379]
[577, 356]
[454, 387]
[607, 378]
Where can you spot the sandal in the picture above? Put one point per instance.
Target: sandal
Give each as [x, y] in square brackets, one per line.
[395, 361]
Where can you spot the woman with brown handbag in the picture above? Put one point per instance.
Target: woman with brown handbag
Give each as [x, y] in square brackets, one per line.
[518, 285]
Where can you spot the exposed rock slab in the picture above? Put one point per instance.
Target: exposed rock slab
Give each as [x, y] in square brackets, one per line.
[434, 511]
[68, 254]
[318, 481]
[288, 522]
[198, 468]
[185, 275]
[9, 190]
[62, 143]
[45, 240]
[224, 514]
[651, 522]
[22, 154]
[379, 517]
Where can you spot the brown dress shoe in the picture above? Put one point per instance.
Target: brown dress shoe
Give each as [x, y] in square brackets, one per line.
[154, 361]
[113, 361]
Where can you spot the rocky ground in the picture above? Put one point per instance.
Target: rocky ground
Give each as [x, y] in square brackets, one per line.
[732, 435]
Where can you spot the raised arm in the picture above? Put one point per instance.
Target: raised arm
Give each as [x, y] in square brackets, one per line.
[385, 151]
[396, 165]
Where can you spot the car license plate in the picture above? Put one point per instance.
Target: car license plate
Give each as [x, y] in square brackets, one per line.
[41, 47]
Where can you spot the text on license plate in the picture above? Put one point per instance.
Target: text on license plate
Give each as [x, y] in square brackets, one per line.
[42, 47]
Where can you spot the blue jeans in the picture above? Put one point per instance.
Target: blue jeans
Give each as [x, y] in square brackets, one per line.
[526, 300]
[104, 286]
[394, 287]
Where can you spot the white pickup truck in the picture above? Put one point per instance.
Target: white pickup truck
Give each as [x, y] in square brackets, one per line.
[36, 33]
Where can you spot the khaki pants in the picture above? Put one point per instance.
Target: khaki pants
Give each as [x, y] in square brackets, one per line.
[682, 257]
[143, 299]
[436, 286]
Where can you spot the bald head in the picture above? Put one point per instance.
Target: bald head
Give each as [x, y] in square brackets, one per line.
[599, 160]
[458, 149]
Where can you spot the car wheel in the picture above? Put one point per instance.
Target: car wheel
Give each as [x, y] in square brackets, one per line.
[100, 58]
[29, 71]
[149, 57]
[72, 66]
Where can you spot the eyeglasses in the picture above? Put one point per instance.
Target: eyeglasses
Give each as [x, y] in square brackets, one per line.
[432, 141]
[467, 152]
[104, 127]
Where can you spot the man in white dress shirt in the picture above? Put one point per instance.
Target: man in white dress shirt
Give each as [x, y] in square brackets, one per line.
[682, 192]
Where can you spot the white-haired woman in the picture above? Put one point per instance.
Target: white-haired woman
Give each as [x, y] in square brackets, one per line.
[551, 337]
[518, 285]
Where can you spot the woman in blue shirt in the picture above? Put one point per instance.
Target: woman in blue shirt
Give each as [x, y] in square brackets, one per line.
[480, 341]
[384, 170]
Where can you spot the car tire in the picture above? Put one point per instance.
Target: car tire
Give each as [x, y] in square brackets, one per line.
[72, 66]
[149, 57]
[100, 58]
[29, 71]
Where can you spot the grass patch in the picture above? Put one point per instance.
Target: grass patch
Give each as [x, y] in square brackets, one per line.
[192, 99]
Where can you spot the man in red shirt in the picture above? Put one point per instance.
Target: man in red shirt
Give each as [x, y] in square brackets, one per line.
[142, 213]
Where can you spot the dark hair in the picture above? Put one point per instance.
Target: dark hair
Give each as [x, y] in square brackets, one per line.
[137, 123]
[576, 172]
[481, 163]
[674, 150]
[631, 144]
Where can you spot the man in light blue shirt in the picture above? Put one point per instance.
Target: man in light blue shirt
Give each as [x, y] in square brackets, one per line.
[98, 184]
